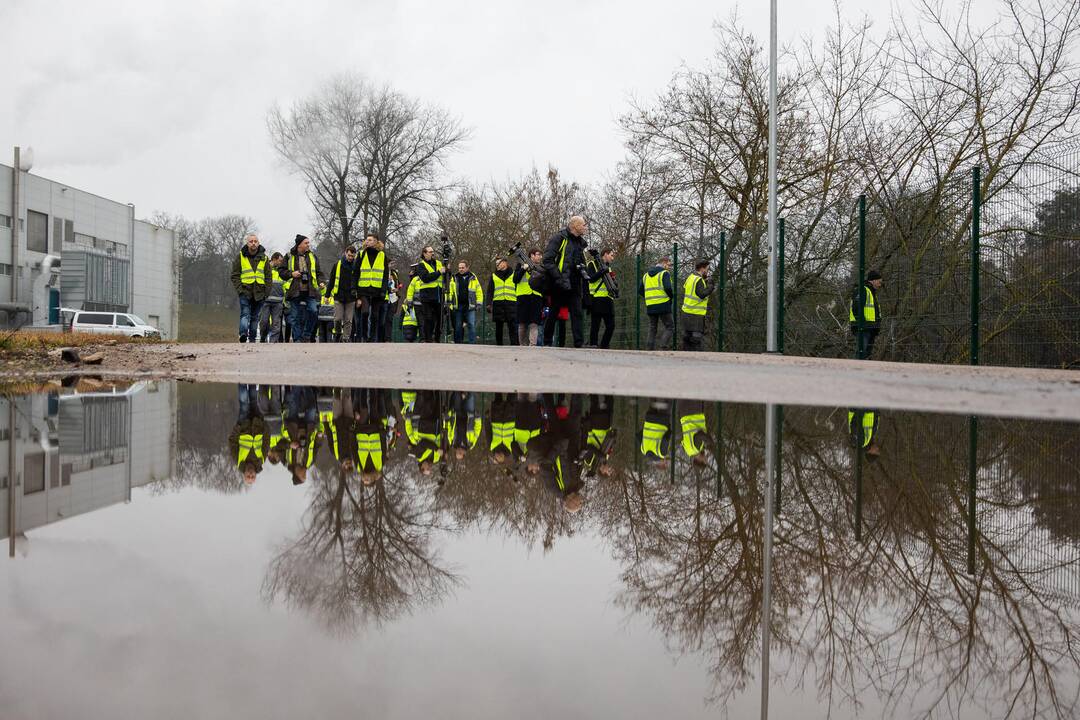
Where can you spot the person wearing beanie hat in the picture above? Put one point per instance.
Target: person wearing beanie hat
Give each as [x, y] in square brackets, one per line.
[303, 280]
[866, 328]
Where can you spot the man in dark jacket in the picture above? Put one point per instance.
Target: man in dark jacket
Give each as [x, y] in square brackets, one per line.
[866, 332]
[656, 288]
[602, 307]
[342, 287]
[304, 281]
[252, 277]
[695, 305]
[502, 301]
[530, 302]
[428, 296]
[373, 274]
[563, 258]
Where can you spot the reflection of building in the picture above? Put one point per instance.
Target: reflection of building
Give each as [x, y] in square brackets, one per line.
[78, 250]
[74, 453]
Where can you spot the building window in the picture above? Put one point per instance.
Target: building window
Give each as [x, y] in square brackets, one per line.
[5, 269]
[37, 231]
[5, 221]
[33, 473]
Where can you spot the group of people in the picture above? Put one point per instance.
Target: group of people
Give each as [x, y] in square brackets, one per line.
[358, 298]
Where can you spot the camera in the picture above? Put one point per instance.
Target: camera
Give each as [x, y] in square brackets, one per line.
[445, 246]
[305, 276]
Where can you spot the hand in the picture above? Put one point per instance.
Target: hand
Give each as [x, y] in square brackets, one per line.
[296, 273]
[489, 308]
[322, 286]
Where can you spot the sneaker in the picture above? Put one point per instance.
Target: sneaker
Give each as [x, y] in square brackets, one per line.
[243, 338]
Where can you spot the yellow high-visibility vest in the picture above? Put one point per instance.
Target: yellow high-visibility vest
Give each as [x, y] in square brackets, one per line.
[598, 288]
[655, 294]
[249, 444]
[691, 303]
[312, 270]
[434, 283]
[369, 448]
[868, 419]
[523, 288]
[869, 307]
[371, 273]
[502, 435]
[252, 274]
[504, 289]
[652, 436]
[691, 425]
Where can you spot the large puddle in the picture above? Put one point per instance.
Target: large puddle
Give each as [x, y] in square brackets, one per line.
[249, 551]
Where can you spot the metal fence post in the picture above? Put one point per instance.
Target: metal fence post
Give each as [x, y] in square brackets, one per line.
[973, 453]
[637, 303]
[780, 292]
[722, 272]
[976, 265]
[860, 294]
[675, 296]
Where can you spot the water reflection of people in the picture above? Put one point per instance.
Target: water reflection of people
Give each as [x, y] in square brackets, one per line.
[528, 423]
[654, 440]
[248, 441]
[501, 429]
[269, 400]
[863, 426]
[463, 425]
[301, 430]
[694, 429]
[599, 435]
[560, 469]
[425, 431]
[369, 416]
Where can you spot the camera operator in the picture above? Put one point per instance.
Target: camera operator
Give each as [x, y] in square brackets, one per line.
[428, 294]
[603, 305]
[304, 282]
[563, 259]
[530, 302]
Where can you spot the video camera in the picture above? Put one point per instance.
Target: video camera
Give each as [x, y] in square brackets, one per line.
[446, 249]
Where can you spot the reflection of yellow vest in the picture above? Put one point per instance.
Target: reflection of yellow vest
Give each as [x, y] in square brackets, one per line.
[326, 420]
[522, 436]
[596, 438]
[502, 435]
[369, 447]
[249, 444]
[472, 435]
[652, 436]
[691, 425]
[309, 453]
[868, 419]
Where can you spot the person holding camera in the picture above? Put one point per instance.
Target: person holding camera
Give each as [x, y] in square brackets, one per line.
[304, 282]
[564, 259]
[428, 295]
[372, 276]
[530, 301]
[602, 307]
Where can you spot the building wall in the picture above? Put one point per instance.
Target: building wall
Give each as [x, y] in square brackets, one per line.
[81, 219]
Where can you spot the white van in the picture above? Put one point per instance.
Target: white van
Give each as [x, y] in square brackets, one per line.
[107, 323]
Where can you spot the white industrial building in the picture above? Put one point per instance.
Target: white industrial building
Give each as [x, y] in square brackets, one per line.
[64, 247]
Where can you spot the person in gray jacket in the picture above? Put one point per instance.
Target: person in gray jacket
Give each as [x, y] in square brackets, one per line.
[273, 306]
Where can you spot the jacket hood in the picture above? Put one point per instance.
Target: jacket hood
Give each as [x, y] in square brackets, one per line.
[258, 251]
[655, 270]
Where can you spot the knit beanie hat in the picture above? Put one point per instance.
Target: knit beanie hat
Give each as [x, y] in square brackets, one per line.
[299, 239]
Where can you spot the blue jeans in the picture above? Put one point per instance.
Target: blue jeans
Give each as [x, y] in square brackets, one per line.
[249, 317]
[303, 314]
[467, 317]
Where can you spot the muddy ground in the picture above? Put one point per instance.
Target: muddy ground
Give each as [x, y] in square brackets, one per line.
[709, 376]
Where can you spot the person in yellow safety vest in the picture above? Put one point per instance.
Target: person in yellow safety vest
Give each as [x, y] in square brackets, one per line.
[502, 301]
[369, 437]
[302, 429]
[863, 426]
[871, 316]
[466, 295]
[599, 435]
[656, 288]
[530, 302]
[428, 299]
[342, 289]
[409, 323]
[303, 281]
[527, 426]
[269, 403]
[564, 257]
[426, 436]
[252, 277]
[501, 429]
[695, 305]
[601, 304]
[463, 425]
[395, 292]
[249, 442]
[372, 276]
[694, 429]
[655, 436]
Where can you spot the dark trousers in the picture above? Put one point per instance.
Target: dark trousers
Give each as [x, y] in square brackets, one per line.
[602, 313]
[303, 313]
[429, 317]
[511, 332]
[693, 341]
[864, 342]
[249, 318]
[666, 328]
[270, 322]
[371, 320]
[571, 300]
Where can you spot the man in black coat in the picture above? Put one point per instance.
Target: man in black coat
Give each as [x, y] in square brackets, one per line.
[564, 255]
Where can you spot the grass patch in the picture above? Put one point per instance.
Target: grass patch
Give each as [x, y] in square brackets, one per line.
[19, 342]
[208, 323]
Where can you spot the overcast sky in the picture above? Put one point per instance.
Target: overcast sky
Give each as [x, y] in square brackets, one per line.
[163, 103]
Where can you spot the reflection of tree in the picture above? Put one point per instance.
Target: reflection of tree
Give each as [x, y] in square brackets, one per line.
[364, 553]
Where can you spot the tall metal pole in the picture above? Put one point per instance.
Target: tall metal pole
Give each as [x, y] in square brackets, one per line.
[16, 181]
[770, 310]
[721, 272]
[976, 261]
[766, 555]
